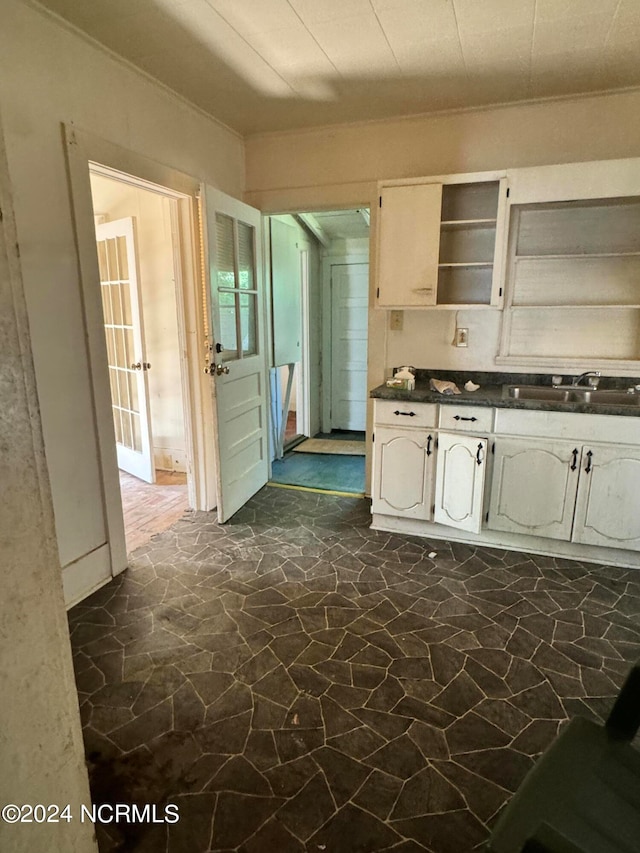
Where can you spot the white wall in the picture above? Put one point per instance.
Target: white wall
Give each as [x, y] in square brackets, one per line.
[152, 214]
[42, 755]
[49, 75]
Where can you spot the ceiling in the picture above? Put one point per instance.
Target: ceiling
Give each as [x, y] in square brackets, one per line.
[342, 224]
[263, 65]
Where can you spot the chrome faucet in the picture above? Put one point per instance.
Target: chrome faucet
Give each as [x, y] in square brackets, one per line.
[593, 381]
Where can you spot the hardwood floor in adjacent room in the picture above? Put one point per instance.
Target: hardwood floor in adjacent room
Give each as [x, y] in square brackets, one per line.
[150, 508]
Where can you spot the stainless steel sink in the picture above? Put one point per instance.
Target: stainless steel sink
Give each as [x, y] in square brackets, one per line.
[539, 392]
[594, 396]
[606, 397]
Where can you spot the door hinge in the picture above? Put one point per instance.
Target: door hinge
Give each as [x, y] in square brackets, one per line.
[508, 191]
[437, 442]
[1, 215]
[373, 438]
[380, 200]
[493, 448]
[486, 518]
[433, 509]
[500, 292]
[378, 293]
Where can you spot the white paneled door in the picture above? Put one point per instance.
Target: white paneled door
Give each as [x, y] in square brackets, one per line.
[124, 331]
[238, 361]
[349, 315]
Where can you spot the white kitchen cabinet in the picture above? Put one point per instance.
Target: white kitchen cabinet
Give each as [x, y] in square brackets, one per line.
[608, 502]
[441, 242]
[534, 486]
[460, 476]
[408, 245]
[403, 472]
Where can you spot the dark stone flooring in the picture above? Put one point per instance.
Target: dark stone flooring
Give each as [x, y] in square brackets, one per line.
[294, 681]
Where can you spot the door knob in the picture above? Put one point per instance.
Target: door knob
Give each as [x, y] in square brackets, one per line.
[137, 366]
[221, 368]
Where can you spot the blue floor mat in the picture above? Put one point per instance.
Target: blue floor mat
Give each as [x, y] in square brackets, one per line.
[327, 471]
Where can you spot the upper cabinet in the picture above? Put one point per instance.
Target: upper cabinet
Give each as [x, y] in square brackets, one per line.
[441, 243]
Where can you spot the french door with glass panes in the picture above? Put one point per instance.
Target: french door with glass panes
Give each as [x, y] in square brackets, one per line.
[122, 307]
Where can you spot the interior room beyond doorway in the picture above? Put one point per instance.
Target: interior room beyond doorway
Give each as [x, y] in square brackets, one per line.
[319, 308]
[138, 258]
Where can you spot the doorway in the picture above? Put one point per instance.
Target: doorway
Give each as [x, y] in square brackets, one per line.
[139, 264]
[319, 266]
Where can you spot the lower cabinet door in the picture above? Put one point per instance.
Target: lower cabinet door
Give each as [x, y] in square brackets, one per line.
[533, 488]
[460, 474]
[402, 472]
[608, 505]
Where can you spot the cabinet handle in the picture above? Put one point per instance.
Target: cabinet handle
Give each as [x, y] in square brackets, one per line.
[405, 414]
[479, 456]
[574, 464]
[429, 440]
[589, 466]
[422, 289]
[461, 418]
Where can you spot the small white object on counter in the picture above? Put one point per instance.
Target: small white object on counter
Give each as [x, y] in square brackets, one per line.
[470, 386]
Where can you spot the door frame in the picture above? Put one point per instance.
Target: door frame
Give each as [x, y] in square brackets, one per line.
[85, 151]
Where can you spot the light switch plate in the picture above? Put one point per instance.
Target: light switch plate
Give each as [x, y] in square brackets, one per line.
[396, 321]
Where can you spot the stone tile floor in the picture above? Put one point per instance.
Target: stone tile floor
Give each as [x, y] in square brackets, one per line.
[295, 681]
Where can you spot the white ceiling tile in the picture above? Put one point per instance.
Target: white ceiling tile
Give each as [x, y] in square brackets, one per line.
[489, 15]
[570, 34]
[419, 21]
[625, 30]
[315, 11]
[496, 88]
[551, 10]
[356, 46]
[619, 66]
[443, 56]
[221, 39]
[629, 9]
[505, 47]
[564, 73]
[293, 48]
[249, 16]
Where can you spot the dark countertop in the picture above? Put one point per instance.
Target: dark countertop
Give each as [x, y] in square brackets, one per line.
[493, 394]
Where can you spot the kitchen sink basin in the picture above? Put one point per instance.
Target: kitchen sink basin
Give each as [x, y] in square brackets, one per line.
[605, 397]
[539, 392]
[594, 396]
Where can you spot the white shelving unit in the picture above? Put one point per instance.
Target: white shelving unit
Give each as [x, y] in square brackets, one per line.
[573, 281]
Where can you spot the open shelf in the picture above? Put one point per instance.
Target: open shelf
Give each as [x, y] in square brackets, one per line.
[470, 264]
[574, 280]
[467, 223]
[467, 244]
